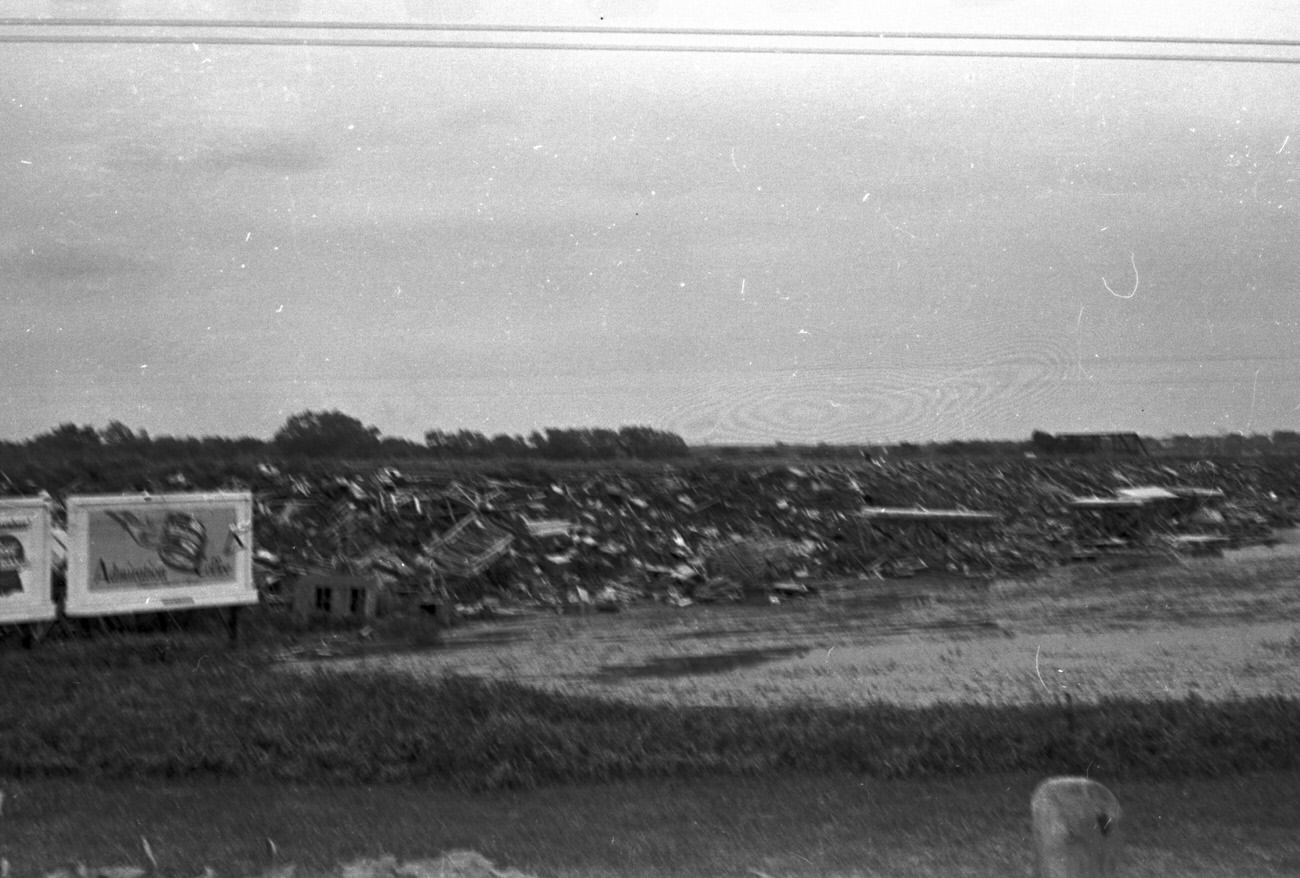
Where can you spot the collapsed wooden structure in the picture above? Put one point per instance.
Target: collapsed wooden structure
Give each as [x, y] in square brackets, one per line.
[1146, 518]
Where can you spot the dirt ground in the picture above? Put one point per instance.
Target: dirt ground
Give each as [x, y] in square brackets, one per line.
[1217, 627]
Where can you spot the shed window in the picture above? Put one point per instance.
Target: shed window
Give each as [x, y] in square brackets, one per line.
[356, 601]
[323, 599]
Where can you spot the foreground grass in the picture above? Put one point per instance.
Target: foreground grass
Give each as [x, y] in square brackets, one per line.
[188, 708]
[792, 826]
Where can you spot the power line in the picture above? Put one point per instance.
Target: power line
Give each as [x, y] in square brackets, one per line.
[326, 42]
[266, 24]
[199, 31]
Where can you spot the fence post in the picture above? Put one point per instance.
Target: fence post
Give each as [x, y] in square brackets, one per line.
[232, 625]
[1076, 829]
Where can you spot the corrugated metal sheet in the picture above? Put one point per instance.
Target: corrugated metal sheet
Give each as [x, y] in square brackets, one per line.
[549, 527]
[946, 516]
[1146, 494]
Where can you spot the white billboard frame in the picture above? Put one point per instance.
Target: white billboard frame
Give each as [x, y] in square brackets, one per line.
[157, 524]
[35, 600]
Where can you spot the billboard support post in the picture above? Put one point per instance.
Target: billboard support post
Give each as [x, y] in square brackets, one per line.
[232, 624]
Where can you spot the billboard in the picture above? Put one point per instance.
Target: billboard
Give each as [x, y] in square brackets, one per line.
[25, 561]
[142, 553]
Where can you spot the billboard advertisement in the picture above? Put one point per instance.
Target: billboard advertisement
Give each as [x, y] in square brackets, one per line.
[148, 553]
[25, 561]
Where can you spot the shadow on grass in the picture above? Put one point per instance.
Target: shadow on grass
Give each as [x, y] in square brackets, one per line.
[688, 665]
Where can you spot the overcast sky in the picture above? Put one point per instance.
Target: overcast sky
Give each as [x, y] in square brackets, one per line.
[736, 247]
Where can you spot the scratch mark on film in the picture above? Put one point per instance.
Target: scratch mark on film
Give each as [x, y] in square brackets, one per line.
[1037, 652]
[1136, 280]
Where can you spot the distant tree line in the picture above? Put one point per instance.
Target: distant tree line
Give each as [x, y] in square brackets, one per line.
[1279, 442]
[640, 443]
[1285, 443]
[333, 434]
[116, 457]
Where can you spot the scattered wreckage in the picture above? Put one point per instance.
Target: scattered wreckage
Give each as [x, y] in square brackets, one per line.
[598, 539]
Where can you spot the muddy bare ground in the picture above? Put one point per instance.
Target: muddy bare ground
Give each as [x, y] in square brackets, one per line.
[1217, 627]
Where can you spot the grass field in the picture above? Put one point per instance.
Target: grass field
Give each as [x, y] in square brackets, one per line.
[759, 739]
[793, 827]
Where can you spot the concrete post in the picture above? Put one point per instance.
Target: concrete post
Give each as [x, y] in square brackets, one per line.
[1076, 829]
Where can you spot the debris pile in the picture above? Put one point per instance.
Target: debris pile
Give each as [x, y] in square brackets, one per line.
[712, 531]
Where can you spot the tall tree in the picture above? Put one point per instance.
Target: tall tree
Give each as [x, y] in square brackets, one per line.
[120, 435]
[68, 437]
[326, 433]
